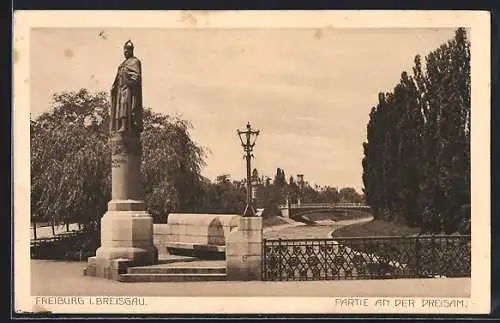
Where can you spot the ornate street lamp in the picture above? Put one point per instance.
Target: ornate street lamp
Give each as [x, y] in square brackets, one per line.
[248, 139]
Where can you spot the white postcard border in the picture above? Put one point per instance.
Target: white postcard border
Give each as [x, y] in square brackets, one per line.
[477, 21]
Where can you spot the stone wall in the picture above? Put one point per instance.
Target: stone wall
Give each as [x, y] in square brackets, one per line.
[194, 231]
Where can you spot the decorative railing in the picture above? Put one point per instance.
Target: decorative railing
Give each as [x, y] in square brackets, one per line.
[327, 206]
[366, 258]
[59, 237]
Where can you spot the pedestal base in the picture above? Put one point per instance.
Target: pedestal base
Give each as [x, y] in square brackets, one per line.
[244, 250]
[126, 240]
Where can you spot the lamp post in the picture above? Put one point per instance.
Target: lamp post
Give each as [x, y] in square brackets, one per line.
[248, 139]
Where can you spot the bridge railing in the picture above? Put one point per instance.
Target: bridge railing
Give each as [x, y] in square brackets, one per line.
[327, 206]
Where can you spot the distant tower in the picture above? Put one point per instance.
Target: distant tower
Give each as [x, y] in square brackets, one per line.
[300, 180]
[255, 184]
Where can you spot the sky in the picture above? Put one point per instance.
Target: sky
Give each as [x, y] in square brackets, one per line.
[309, 91]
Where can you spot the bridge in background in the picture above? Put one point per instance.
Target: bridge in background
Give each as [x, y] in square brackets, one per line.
[303, 208]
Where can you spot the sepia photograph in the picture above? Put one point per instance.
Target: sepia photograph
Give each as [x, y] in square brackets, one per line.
[237, 162]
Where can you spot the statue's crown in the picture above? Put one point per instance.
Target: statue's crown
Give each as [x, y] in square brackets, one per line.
[129, 44]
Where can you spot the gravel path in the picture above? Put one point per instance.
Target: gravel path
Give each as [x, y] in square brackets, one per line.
[65, 278]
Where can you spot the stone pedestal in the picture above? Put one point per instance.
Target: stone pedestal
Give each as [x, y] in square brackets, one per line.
[126, 228]
[244, 250]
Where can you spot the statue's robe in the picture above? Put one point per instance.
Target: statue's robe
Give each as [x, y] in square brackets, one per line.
[126, 96]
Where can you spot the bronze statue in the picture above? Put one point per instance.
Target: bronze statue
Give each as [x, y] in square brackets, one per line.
[126, 94]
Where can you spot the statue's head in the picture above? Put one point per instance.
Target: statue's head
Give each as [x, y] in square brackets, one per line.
[128, 49]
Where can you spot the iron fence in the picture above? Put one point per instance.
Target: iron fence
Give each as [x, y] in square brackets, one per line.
[366, 258]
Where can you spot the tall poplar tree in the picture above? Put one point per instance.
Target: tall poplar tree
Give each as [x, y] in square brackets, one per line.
[416, 163]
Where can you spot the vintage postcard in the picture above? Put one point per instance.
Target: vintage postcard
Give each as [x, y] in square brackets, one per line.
[251, 162]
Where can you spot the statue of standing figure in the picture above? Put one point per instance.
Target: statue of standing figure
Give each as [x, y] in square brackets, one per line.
[126, 94]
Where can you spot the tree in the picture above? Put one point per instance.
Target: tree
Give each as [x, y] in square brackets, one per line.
[225, 196]
[410, 128]
[416, 163]
[292, 191]
[255, 175]
[171, 166]
[379, 157]
[68, 171]
[279, 178]
[448, 100]
[279, 184]
[371, 164]
[71, 164]
[268, 195]
[349, 194]
[328, 195]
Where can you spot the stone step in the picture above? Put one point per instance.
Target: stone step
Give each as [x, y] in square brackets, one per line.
[196, 246]
[176, 270]
[131, 278]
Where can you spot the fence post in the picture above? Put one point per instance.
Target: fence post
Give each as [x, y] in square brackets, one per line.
[279, 259]
[325, 257]
[263, 265]
[417, 256]
[434, 262]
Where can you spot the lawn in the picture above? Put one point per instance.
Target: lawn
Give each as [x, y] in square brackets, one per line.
[272, 221]
[336, 215]
[423, 256]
